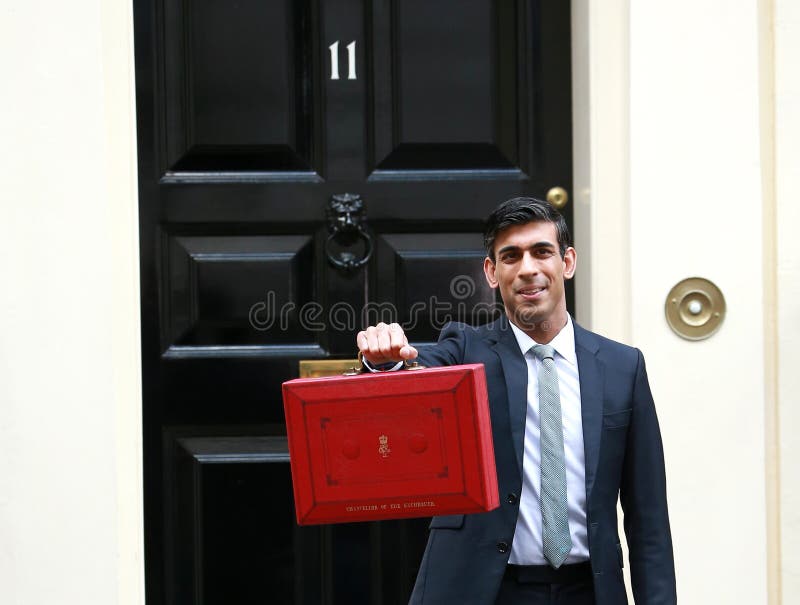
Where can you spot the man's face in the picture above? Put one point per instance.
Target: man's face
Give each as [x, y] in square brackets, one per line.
[530, 273]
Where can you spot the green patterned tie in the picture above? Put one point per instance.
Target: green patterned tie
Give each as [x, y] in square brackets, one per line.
[556, 541]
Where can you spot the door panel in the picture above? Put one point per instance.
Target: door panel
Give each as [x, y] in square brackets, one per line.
[445, 98]
[432, 278]
[239, 89]
[233, 518]
[439, 111]
[227, 291]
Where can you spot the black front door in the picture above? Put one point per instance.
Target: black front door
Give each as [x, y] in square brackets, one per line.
[269, 131]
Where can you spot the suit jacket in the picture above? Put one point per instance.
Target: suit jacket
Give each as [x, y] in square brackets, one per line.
[466, 555]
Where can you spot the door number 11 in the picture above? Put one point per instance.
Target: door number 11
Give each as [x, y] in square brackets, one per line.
[351, 60]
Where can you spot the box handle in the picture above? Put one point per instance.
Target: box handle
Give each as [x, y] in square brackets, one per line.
[408, 364]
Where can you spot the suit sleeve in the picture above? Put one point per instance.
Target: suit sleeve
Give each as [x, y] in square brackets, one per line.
[643, 494]
[449, 350]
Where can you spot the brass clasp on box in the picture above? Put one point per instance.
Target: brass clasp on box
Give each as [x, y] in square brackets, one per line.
[317, 368]
[695, 308]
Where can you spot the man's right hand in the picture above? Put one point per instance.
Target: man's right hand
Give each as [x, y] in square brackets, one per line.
[384, 343]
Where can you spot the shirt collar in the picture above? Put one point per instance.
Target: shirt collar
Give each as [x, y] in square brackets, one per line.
[563, 343]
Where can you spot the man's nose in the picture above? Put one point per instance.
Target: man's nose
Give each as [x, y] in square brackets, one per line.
[528, 265]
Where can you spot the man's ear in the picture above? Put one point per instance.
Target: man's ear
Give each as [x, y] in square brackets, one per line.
[488, 271]
[570, 262]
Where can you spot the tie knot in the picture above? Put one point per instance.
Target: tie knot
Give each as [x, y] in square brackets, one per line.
[543, 352]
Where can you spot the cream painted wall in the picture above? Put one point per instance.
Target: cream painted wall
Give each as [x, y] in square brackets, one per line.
[696, 201]
[601, 183]
[787, 268]
[70, 451]
[670, 99]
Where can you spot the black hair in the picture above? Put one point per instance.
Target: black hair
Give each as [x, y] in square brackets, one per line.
[522, 210]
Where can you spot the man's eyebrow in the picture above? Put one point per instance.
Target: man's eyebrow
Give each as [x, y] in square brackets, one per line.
[507, 249]
[542, 244]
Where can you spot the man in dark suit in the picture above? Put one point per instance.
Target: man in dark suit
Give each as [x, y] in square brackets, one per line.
[574, 429]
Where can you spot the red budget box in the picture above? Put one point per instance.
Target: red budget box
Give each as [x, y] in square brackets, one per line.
[391, 445]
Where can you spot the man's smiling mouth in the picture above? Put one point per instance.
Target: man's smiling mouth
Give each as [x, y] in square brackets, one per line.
[531, 291]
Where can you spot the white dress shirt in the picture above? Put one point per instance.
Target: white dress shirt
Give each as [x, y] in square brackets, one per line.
[526, 548]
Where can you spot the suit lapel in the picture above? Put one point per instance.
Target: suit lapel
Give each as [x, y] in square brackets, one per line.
[591, 382]
[515, 372]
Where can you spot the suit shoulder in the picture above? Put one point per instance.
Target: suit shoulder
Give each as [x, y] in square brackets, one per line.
[451, 348]
[467, 331]
[619, 352]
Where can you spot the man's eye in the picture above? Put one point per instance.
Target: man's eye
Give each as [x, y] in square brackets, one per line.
[544, 252]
